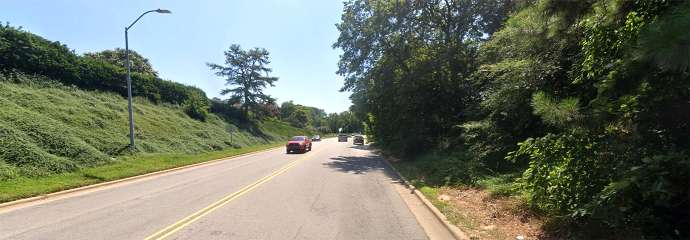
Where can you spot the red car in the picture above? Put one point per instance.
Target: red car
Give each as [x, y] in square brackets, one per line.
[298, 144]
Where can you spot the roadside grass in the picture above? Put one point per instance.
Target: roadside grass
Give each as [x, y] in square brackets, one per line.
[503, 185]
[436, 174]
[453, 171]
[48, 129]
[24, 187]
[427, 178]
[453, 215]
[55, 137]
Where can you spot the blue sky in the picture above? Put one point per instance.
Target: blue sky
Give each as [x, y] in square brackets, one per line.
[297, 33]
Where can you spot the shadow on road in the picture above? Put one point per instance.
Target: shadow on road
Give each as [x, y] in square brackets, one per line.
[361, 165]
[360, 147]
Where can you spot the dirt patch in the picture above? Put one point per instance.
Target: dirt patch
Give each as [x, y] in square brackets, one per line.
[483, 216]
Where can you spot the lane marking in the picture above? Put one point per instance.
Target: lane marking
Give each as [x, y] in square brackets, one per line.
[166, 232]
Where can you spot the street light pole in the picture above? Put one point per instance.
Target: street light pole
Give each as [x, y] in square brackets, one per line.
[129, 78]
[129, 94]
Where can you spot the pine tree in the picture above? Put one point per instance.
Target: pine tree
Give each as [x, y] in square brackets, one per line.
[247, 73]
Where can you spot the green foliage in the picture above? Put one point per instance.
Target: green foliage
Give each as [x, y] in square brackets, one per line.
[503, 185]
[565, 171]
[299, 118]
[555, 112]
[28, 52]
[117, 57]
[316, 118]
[196, 106]
[599, 170]
[227, 111]
[247, 71]
[8, 171]
[409, 65]
[21, 156]
[665, 42]
[346, 120]
[442, 169]
[649, 195]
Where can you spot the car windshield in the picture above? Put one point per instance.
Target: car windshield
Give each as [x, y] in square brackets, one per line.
[297, 139]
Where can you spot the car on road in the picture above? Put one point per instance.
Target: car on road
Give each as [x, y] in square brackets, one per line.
[316, 138]
[358, 140]
[342, 138]
[298, 144]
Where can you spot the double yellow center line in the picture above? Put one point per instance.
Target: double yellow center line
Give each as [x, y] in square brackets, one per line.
[162, 234]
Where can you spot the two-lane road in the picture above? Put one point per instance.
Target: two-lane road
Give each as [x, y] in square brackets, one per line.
[336, 191]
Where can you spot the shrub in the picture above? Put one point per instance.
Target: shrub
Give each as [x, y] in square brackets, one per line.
[227, 111]
[196, 106]
[565, 171]
[594, 178]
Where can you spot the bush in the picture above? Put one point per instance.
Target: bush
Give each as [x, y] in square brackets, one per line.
[565, 171]
[196, 106]
[591, 178]
[227, 111]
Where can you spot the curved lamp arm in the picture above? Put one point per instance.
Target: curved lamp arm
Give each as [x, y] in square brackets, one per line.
[157, 10]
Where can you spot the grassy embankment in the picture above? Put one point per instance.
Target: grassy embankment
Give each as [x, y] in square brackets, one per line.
[54, 137]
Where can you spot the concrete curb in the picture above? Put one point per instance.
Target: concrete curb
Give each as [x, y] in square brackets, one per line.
[123, 180]
[457, 233]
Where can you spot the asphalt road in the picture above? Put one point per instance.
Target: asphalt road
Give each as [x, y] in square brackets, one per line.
[336, 191]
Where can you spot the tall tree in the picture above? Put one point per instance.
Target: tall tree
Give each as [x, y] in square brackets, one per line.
[247, 72]
[116, 57]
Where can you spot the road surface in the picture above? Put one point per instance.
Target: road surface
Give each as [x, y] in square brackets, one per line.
[336, 191]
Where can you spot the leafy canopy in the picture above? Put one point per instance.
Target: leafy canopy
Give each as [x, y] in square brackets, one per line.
[116, 57]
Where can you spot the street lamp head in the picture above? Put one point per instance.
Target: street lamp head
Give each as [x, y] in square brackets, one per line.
[162, 11]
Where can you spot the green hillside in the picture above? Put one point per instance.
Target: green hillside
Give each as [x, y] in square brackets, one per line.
[47, 128]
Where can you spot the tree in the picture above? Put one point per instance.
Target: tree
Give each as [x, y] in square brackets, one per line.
[116, 57]
[316, 116]
[247, 72]
[299, 118]
[287, 108]
[410, 62]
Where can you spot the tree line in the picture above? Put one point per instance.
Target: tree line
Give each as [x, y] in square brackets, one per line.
[588, 100]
